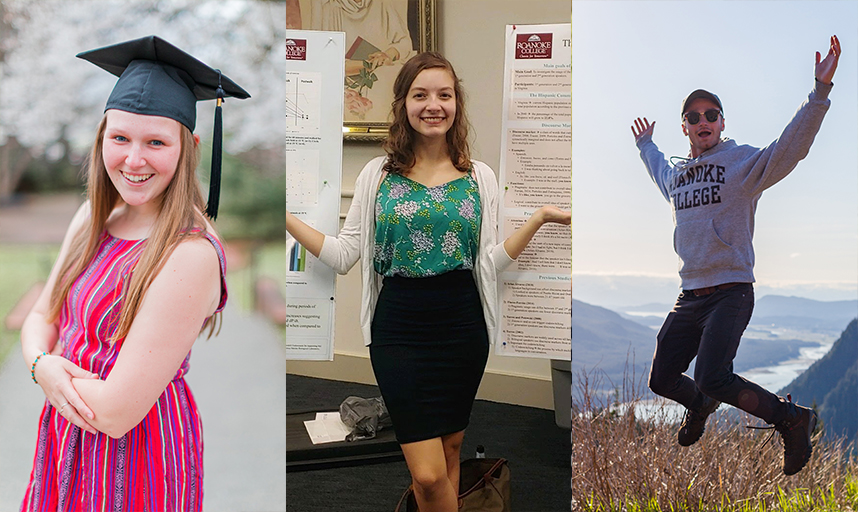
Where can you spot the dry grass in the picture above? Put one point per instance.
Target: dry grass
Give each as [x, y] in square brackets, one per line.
[622, 463]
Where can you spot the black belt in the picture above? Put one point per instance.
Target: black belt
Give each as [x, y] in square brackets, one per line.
[700, 292]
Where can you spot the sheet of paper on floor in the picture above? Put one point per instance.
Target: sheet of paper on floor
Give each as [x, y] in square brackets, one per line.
[326, 428]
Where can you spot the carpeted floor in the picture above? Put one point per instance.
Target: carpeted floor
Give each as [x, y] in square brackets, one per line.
[537, 449]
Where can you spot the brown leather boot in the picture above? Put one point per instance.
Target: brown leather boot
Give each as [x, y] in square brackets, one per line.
[694, 422]
[795, 431]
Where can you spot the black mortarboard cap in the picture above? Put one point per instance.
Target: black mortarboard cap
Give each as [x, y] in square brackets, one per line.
[158, 79]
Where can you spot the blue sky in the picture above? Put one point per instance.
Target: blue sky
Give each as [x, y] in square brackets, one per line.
[640, 58]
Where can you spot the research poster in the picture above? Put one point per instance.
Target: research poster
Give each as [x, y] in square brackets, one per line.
[314, 156]
[535, 170]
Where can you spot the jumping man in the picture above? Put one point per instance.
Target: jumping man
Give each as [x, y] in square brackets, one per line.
[714, 196]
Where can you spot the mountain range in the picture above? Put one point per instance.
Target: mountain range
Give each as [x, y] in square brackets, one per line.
[616, 290]
[832, 384]
[605, 340]
[798, 312]
[778, 310]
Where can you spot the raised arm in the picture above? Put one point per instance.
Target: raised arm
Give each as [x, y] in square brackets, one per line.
[778, 159]
[184, 293]
[654, 160]
[54, 372]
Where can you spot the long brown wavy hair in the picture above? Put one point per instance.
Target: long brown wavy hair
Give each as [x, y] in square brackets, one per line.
[399, 144]
[181, 206]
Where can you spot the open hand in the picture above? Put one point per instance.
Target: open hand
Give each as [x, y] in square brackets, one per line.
[643, 128]
[54, 374]
[825, 67]
[554, 214]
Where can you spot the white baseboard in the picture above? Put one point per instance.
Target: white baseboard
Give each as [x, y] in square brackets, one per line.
[495, 387]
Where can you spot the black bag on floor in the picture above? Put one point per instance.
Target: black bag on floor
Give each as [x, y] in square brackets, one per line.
[484, 486]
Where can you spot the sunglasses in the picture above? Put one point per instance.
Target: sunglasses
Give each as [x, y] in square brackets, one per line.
[694, 117]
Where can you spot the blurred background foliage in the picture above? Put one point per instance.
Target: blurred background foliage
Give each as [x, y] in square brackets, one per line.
[253, 191]
[51, 103]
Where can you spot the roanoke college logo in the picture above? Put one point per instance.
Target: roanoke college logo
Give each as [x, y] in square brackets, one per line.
[296, 49]
[533, 46]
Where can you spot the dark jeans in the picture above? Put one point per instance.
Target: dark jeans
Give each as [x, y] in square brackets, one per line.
[709, 327]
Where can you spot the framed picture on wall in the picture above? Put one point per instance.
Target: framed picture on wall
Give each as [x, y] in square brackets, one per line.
[381, 35]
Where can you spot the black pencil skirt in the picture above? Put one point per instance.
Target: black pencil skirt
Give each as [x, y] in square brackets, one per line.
[429, 350]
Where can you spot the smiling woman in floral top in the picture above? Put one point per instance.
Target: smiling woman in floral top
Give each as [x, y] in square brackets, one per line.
[423, 221]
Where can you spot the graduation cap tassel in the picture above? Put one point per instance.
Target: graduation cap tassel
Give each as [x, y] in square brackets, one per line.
[217, 150]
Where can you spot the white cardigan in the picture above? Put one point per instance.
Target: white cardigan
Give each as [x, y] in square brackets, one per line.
[357, 240]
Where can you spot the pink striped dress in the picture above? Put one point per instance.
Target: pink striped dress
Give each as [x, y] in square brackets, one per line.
[158, 465]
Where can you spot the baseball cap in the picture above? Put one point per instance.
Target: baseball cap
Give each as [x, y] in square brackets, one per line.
[701, 93]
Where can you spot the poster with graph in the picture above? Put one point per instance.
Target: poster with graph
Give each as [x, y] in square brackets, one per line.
[314, 159]
[535, 169]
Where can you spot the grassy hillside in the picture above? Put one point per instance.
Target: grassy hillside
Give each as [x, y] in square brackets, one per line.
[624, 463]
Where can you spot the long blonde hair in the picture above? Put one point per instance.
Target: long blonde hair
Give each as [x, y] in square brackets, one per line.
[181, 204]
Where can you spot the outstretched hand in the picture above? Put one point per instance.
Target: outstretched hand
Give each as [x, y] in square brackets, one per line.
[553, 214]
[521, 236]
[643, 128]
[825, 67]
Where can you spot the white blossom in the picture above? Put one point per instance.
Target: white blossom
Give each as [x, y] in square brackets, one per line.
[48, 94]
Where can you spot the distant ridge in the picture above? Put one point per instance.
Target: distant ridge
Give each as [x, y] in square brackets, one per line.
[782, 311]
[803, 313]
[832, 382]
[603, 339]
[615, 291]
[781, 305]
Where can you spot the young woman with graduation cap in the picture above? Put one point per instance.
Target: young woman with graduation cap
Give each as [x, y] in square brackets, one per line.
[140, 274]
[423, 221]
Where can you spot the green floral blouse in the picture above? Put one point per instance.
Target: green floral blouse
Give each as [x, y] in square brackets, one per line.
[424, 231]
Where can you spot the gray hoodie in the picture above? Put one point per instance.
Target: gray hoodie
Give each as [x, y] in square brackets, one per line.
[714, 196]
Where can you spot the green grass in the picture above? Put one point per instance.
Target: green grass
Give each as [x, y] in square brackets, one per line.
[797, 500]
[21, 266]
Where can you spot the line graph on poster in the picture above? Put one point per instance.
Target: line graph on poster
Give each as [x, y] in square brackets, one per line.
[303, 107]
